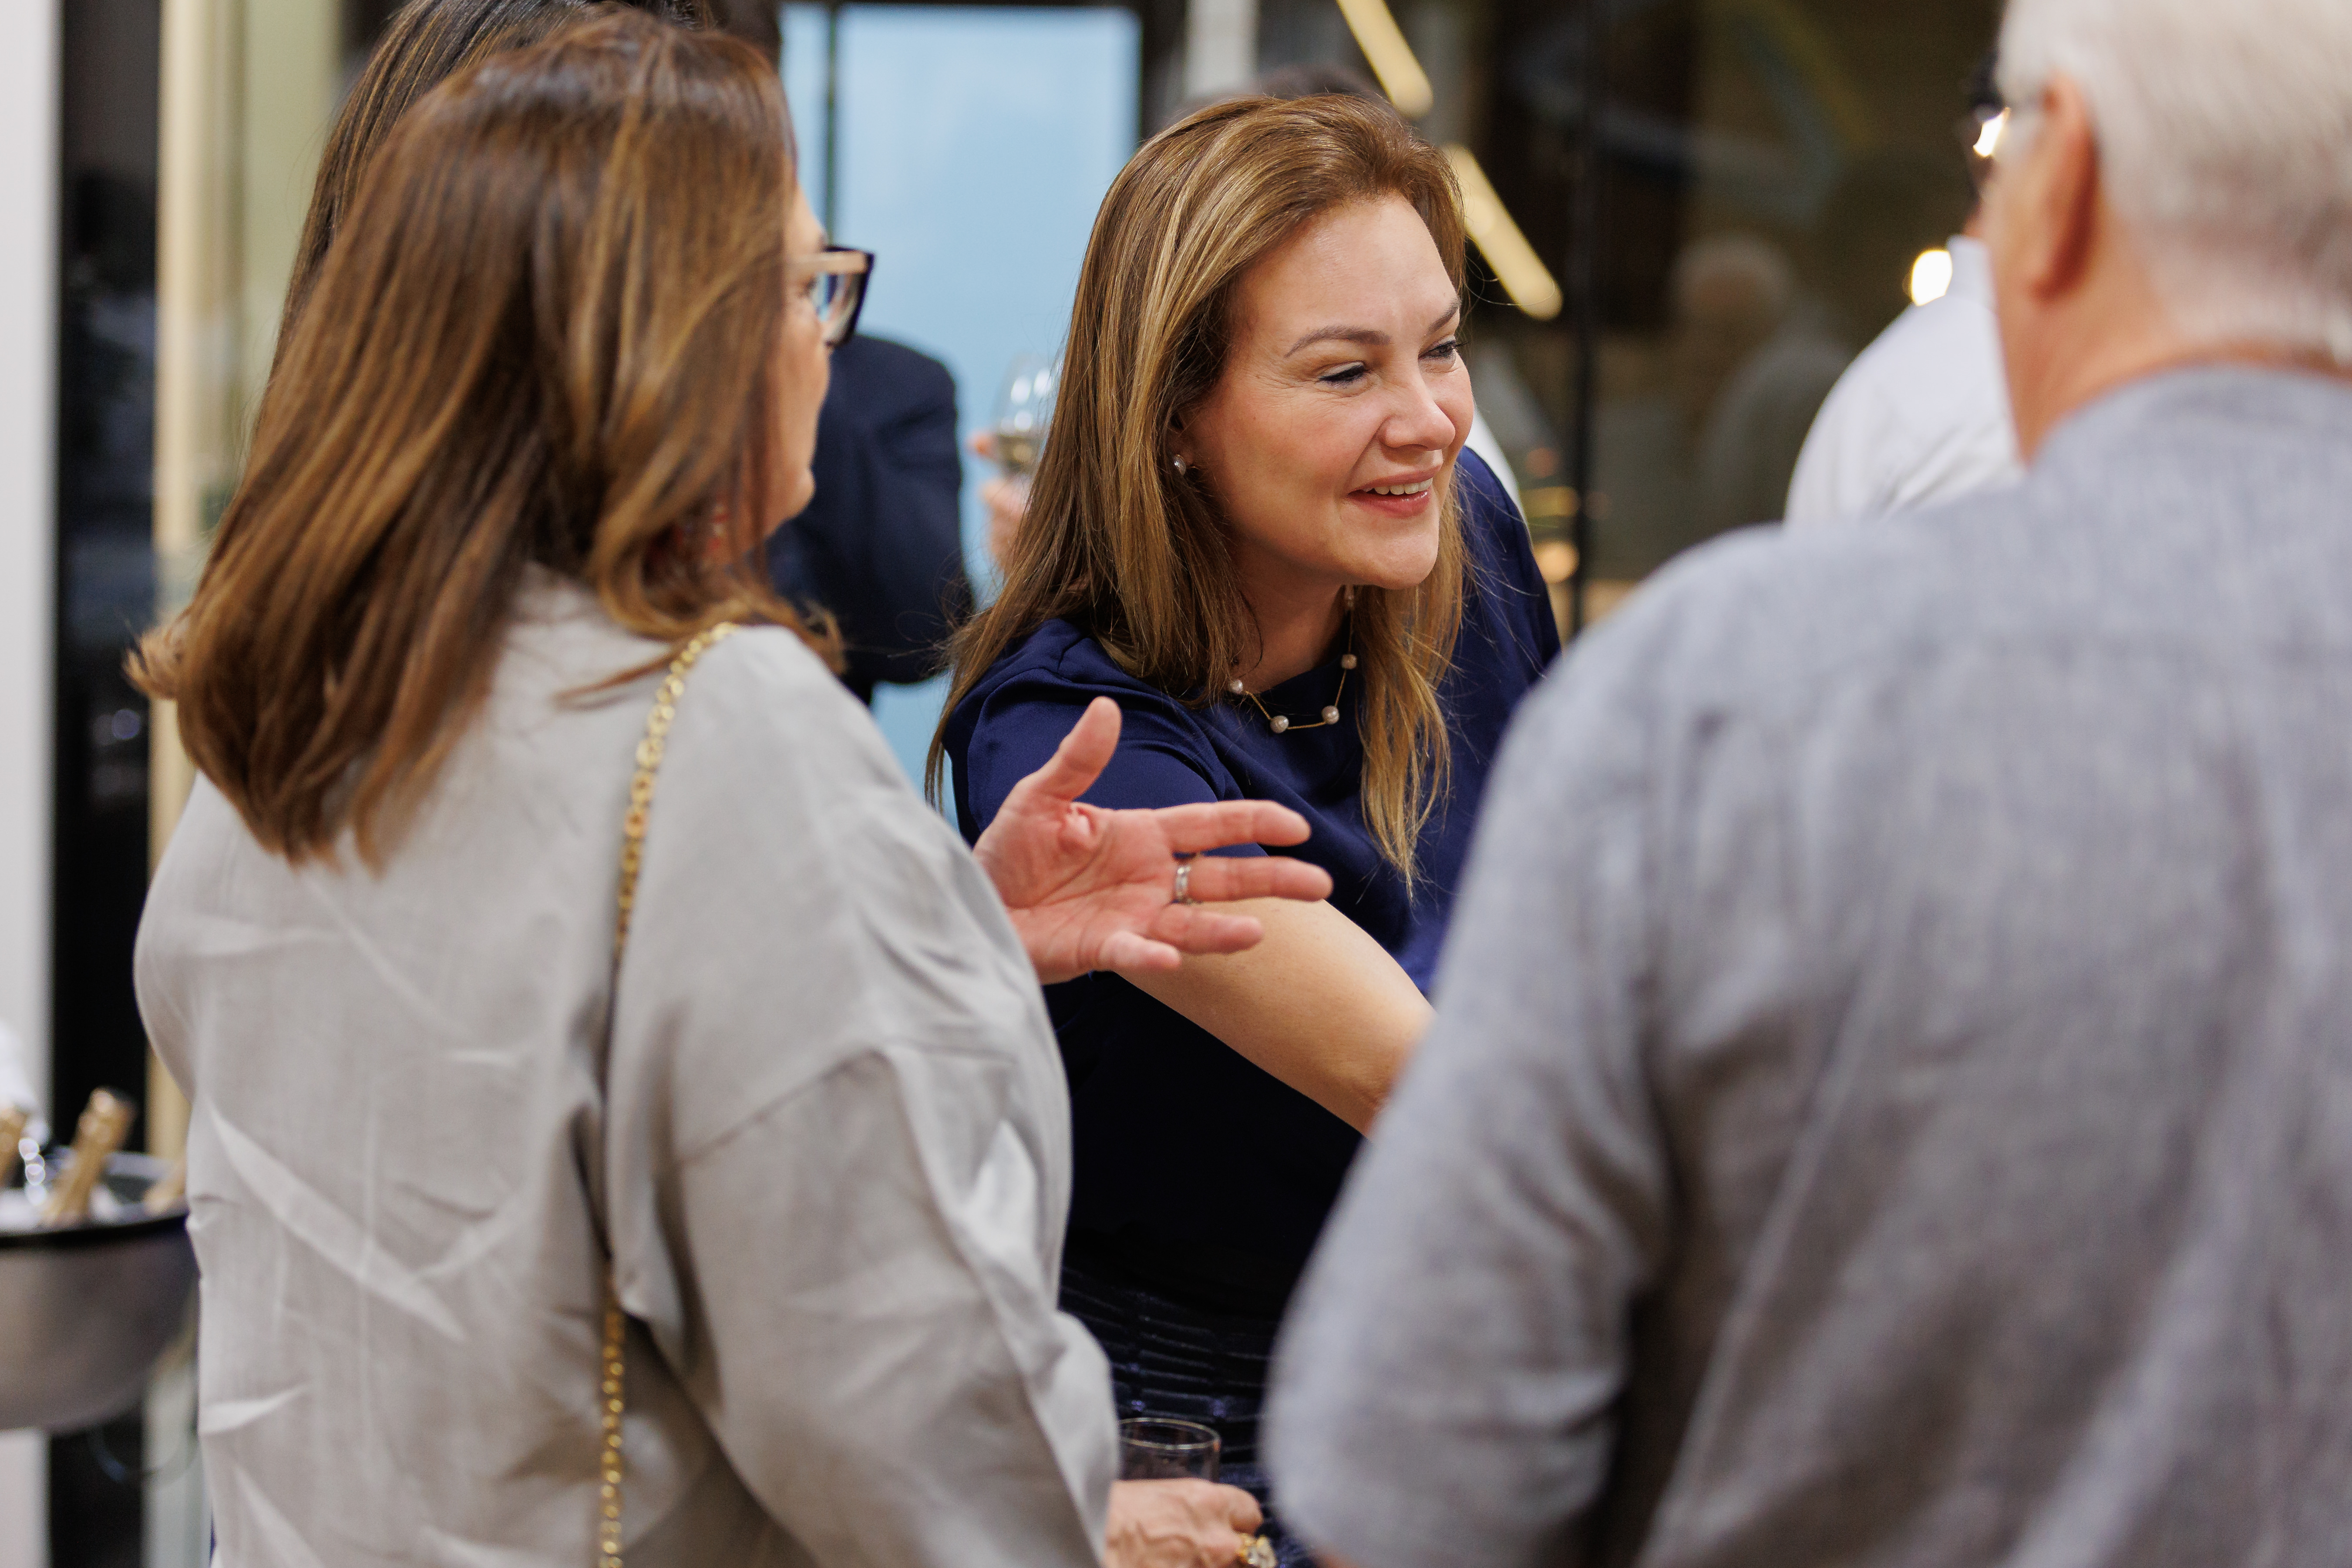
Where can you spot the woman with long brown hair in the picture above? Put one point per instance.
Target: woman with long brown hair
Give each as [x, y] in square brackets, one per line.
[1254, 527]
[878, 550]
[524, 1095]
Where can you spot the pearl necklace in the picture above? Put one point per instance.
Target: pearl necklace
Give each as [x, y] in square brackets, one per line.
[1281, 723]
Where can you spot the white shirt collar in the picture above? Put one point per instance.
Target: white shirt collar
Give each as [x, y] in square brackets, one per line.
[1971, 269]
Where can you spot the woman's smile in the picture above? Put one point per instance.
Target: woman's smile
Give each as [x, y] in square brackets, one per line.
[1399, 498]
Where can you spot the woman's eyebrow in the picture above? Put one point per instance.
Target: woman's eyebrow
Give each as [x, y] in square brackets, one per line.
[1368, 336]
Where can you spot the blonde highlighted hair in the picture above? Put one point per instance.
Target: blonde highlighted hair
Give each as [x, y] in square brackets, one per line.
[545, 332]
[1113, 542]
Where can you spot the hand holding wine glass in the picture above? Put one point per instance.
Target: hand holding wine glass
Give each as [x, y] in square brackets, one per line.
[1025, 407]
[1180, 1524]
[1015, 441]
[1006, 499]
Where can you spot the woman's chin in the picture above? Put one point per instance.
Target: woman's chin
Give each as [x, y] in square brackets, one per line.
[1397, 569]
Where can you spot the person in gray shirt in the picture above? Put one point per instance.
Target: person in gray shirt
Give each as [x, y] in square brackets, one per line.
[1890, 1100]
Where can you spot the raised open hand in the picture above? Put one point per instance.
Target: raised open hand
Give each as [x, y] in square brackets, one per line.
[1089, 888]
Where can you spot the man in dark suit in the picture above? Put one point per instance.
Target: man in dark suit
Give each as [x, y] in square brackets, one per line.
[881, 546]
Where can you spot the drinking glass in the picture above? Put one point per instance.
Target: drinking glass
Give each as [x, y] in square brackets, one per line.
[1024, 408]
[1154, 1448]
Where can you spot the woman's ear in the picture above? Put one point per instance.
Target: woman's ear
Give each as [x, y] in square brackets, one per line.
[720, 543]
[1179, 450]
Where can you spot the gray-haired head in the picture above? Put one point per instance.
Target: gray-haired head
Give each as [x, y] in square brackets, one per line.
[2225, 145]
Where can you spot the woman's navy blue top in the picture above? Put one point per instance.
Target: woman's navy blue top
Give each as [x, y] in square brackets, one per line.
[1202, 1173]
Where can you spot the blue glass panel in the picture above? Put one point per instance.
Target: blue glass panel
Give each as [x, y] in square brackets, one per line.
[804, 47]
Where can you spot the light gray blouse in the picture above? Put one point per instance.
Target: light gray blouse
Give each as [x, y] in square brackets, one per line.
[830, 1142]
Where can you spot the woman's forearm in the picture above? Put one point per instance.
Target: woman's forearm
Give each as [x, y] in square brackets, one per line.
[1319, 1003]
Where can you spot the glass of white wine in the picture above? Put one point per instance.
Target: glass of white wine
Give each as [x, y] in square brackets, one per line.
[1024, 408]
[1160, 1448]
[1156, 1448]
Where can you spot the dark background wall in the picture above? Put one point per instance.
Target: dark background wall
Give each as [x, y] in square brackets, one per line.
[106, 596]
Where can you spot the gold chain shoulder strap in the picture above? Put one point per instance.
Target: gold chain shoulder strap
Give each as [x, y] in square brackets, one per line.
[633, 848]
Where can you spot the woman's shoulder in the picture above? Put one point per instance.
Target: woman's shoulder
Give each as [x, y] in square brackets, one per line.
[776, 763]
[1504, 587]
[1060, 653]
[770, 688]
[1054, 665]
[760, 713]
[1017, 715]
[564, 645]
[565, 649]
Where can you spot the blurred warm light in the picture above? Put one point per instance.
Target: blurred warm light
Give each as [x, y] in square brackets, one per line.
[1391, 57]
[1988, 139]
[1518, 268]
[1556, 559]
[1550, 500]
[1931, 276]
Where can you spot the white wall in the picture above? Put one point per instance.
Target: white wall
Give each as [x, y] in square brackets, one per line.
[29, 328]
[28, 248]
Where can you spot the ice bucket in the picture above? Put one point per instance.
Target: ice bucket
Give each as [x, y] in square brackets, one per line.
[86, 1310]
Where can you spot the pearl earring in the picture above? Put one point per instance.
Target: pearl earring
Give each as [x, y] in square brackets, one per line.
[1181, 466]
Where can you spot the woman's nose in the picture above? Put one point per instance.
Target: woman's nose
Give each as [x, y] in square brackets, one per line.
[1420, 425]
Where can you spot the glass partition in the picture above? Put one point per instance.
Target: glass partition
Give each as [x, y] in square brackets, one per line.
[1742, 190]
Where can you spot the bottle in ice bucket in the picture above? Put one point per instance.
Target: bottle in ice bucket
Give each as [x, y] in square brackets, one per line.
[12, 1128]
[105, 1122]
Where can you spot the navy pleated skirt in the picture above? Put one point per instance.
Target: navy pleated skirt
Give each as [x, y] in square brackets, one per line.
[1173, 1358]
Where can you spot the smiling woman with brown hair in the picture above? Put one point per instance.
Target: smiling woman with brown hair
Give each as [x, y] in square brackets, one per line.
[1253, 526]
[520, 1095]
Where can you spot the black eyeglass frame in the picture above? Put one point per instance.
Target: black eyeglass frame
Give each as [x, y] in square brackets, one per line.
[851, 268]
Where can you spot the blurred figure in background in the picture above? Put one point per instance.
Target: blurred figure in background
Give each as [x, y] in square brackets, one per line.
[1886, 209]
[1754, 356]
[1923, 415]
[1732, 293]
[1728, 295]
[1891, 1095]
[880, 547]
